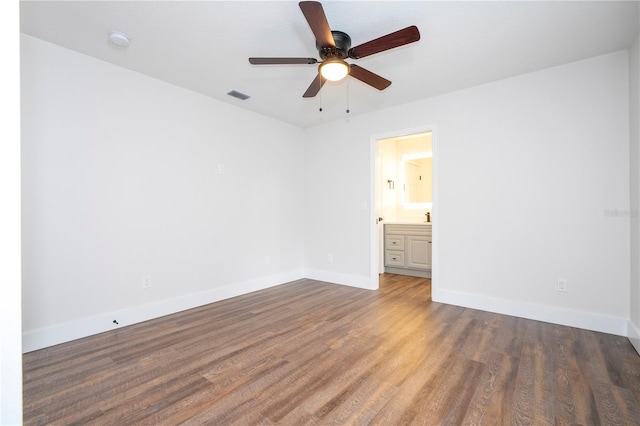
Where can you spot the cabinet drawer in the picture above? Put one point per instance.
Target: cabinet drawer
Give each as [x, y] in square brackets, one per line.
[394, 242]
[394, 258]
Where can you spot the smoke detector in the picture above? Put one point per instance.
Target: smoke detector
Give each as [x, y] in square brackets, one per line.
[118, 38]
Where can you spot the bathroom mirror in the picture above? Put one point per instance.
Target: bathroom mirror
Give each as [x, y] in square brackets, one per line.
[417, 188]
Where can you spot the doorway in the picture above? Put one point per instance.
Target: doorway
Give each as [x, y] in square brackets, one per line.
[401, 163]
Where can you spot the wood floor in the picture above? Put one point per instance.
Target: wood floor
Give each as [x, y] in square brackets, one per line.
[309, 352]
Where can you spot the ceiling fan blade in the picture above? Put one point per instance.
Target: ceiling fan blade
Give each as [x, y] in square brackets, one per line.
[366, 76]
[282, 61]
[315, 87]
[389, 41]
[314, 13]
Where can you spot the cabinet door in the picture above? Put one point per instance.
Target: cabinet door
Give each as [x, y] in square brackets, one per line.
[418, 252]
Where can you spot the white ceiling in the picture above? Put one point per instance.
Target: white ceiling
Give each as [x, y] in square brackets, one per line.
[204, 45]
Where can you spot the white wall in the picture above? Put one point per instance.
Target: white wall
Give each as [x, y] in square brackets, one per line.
[393, 150]
[10, 298]
[338, 204]
[410, 146]
[634, 161]
[387, 171]
[121, 180]
[525, 169]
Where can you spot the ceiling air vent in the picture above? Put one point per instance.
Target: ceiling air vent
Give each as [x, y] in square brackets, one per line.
[238, 95]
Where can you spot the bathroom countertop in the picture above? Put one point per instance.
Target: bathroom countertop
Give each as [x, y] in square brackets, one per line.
[408, 223]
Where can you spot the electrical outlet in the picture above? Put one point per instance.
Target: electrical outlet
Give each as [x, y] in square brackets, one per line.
[330, 258]
[146, 281]
[221, 168]
[267, 260]
[562, 285]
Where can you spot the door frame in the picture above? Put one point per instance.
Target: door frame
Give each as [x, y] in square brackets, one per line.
[374, 240]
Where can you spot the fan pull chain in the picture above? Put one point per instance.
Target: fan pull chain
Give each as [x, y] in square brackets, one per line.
[348, 111]
[320, 101]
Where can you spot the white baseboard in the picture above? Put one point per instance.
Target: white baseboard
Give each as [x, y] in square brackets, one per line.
[634, 335]
[344, 279]
[49, 336]
[552, 314]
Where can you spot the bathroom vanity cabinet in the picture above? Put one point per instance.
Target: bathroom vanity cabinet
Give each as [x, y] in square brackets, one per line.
[407, 249]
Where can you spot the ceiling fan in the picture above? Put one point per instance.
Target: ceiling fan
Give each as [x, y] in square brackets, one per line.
[335, 46]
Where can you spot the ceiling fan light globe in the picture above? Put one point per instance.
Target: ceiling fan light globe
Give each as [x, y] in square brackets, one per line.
[334, 70]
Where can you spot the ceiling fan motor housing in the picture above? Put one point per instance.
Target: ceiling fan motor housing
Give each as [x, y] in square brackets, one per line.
[340, 51]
